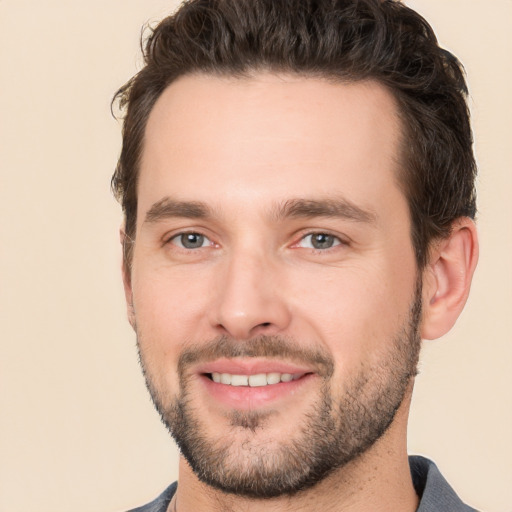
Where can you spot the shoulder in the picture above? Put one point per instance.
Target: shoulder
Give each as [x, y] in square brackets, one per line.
[161, 503]
[436, 494]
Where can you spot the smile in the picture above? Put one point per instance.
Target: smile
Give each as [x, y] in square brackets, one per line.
[255, 380]
[251, 384]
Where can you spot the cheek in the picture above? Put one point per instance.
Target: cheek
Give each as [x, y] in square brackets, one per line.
[169, 309]
[356, 313]
[168, 299]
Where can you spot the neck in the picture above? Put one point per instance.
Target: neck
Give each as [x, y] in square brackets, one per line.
[378, 480]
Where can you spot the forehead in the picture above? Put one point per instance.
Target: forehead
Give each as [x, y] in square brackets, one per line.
[220, 139]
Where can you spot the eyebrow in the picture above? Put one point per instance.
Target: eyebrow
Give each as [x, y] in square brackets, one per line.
[292, 208]
[168, 208]
[328, 207]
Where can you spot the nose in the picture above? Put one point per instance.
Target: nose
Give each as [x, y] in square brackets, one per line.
[250, 298]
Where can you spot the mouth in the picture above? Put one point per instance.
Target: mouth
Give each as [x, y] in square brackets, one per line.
[256, 380]
[248, 385]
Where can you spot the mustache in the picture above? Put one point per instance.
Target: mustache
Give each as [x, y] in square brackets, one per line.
[269, 347]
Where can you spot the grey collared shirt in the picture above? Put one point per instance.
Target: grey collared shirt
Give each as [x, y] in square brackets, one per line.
[436, 494]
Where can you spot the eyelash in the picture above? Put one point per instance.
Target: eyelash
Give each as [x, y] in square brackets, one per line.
[336, 240]
[179, 236]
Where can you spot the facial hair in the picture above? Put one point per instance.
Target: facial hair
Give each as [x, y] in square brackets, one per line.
[334, 430]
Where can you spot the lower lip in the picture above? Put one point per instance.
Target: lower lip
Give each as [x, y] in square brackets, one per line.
[247, 397]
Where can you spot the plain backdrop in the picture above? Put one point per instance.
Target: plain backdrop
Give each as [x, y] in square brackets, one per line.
[77, 429]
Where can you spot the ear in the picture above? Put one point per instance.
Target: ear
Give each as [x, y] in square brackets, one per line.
[126, 273]
[447, 278]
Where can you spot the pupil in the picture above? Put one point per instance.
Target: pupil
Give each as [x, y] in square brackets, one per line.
[322, 241]
[192, 240]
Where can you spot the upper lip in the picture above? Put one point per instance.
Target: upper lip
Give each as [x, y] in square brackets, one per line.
[251, 367]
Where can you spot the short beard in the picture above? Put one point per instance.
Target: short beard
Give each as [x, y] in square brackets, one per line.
[333, 432]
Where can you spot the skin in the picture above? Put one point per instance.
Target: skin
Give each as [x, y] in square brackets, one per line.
[243, 148]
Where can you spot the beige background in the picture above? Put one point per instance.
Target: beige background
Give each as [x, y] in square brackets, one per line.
[78, 431]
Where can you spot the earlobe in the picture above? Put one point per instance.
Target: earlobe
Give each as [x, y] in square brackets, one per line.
[447, 278]
[127, 278]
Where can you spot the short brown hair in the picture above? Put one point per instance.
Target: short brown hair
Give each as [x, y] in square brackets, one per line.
[345, 40]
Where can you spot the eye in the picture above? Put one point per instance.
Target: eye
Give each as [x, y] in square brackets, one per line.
[190, 241]
[319, 241]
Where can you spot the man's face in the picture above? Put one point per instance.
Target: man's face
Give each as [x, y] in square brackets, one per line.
[274, 284]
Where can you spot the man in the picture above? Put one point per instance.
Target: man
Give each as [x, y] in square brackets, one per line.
[297, 180]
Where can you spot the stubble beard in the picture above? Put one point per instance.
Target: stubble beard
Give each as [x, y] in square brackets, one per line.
[332, 432]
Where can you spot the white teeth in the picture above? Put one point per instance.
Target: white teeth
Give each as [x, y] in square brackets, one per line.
[256, 380]
[260, 379]
[239, 380]
[273, 378]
